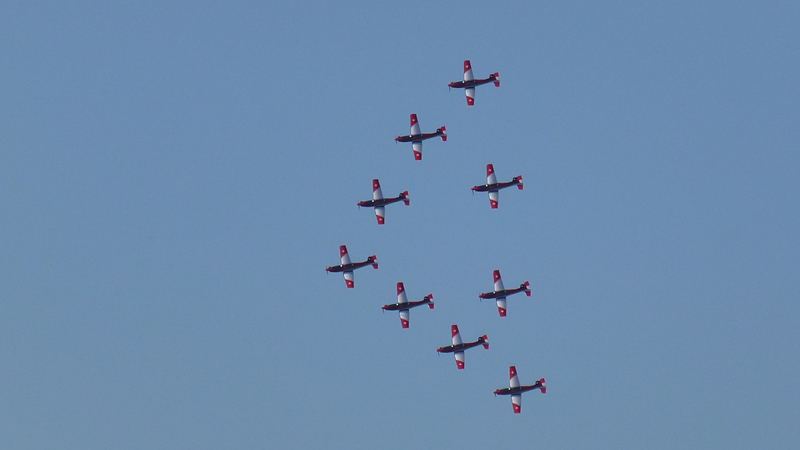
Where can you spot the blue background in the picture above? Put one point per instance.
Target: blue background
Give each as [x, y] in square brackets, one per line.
[175, 176]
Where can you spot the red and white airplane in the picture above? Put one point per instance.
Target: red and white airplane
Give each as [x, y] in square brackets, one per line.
[379, 202]
[500, 293]
[470, 82]
[493, 187]
[515, 390]
[416, 137]
[458, 346]
[348, 267]
[403, 305]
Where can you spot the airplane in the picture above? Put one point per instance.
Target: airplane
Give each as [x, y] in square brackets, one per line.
[458, 347]
[493, 187]
[348, 267]
[416, 137]
[403, 305]
[379, 203]
[500, 293]
[470, 82]
[515, 390]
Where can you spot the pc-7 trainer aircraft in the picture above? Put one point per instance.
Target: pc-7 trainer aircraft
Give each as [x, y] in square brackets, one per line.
[470, 82]
[416, 137]
[500, 293]
[379, 202]
[515, 390]
[458, 347]
[348, 267]
[493, 187]
[403, 305]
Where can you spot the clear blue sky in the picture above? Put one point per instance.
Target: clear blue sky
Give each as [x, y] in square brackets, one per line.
[175, 177]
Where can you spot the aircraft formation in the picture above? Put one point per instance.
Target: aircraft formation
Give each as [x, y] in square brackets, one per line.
[500, 294]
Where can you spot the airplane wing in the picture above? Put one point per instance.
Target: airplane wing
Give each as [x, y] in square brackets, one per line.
[414, 125]
[417, 147]
[491, 178]
[402, 299]
[345, 257]
[404, 318]
[494, 199]
[513, 379]
[377, 194]
[456, 335]
[501, 306]
[498, 282]
[516, 401]
[459, 359]
[380, 214]
[349, 280]
[401, 293]
[470, 93]
[468, 71]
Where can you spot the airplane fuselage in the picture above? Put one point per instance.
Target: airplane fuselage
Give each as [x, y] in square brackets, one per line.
[349, 267]
[503, 293]
[460, 347]
[495, 186]
[381, 202]
[518, 389]
[472, 83]
[404, 306]
[418, 137]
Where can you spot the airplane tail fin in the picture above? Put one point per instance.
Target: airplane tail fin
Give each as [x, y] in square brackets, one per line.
[444, 133]
[374, 262]
[430, 300]
[485, 342]
[519, 179]
[543, 388]
[527, 288]
[496, 79]
[405, 198]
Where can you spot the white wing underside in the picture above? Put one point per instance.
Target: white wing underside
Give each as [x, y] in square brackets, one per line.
[513, 382]
[470, 93]
[457, 339]
[401, 297]
[501, 303]
[498, 285]
[494, 196]
[380, 211]
[346, 259]
[517, 400]
[415, 129]
[377, 194]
